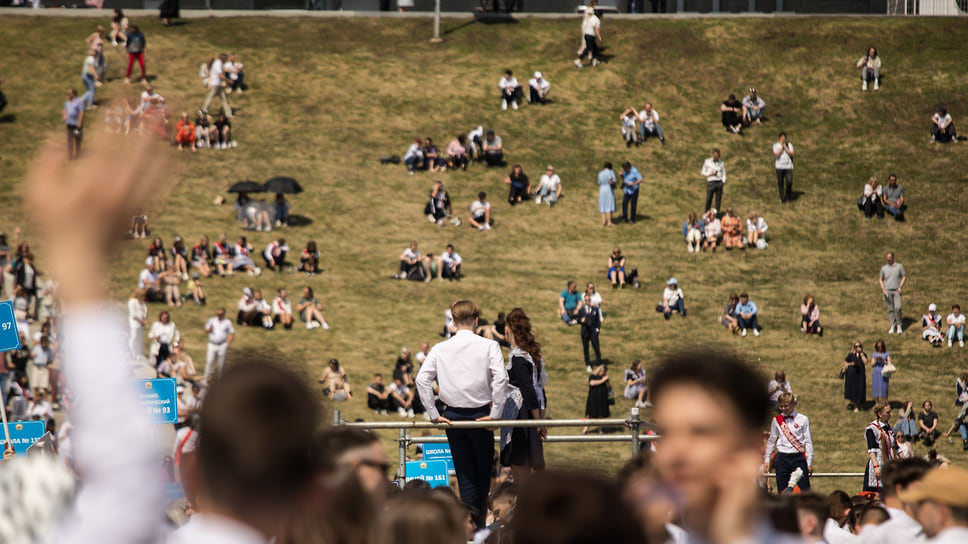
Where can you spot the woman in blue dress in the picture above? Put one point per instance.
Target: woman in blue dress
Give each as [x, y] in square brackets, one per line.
[880, 384]
[606, 195]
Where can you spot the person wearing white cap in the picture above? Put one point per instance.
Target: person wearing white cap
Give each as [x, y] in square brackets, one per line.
[673, 299]
[931, 326]
[148, 278]
[539, 88]
[940, 504]
[753, 107]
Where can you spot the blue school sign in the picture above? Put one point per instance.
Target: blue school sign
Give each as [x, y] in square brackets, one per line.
[9, 335]
[438, 452]
[23, 434]
[432, 472]
[159, 399]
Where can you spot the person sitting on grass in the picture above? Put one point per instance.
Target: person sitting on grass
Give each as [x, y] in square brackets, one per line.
[712, 230]
[234, 72]
[170, 280]
[249, 309]
[616, 268]
[870, 69]
[810, 316]
[282, 207]
[931, 326]
[222, 256]
[264, 310]
[673, 299]
[282, 309]
[549, 187]
[732, 114]
[519, 187]
[636, 387]
[756, 231]
[336, 384]
[746, 312]
[732, 230]
[481, 212]
[569, 303]
[510, 90]
[870, 202]
[311, 311]
[729, 319]
[223, 132]
[241, 259]
[438, 209]
[630, 132]
[157, 252]
[401, 398]
[148, 280]
[275, 255]
[413, 156]
[893, 198]
[692, 231]
[413, 265]
[433, 162]
[457, 152]
[942, 128]
[956, 326]
[377, 395]
[538, 88]
[195, 289]
[203, 131]
[928, 424]
[494, 331]
[179, 257]
[185, 133]
[449, 264]
[309, 259]
[493, 149]
[753, 107]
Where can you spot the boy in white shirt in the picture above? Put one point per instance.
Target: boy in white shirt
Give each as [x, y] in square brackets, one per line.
[509, 90]
[481, 212]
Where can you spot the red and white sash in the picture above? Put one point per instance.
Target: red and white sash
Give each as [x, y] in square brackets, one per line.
[781, 421]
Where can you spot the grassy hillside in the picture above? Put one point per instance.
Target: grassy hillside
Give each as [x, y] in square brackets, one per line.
[329, 97]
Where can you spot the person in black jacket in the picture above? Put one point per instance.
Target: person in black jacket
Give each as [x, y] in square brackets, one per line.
[521, 448]
[591, 322]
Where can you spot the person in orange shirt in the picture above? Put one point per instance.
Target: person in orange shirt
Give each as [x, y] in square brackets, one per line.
[732, 230]
[185, 133]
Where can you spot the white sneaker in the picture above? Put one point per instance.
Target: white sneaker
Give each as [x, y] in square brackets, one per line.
[689, 248]
[744, 332]
[595, 62]
[514, 104]
[315, 324]
[537, 200]
[410, 412]
[258, 271]
[504, 104]
[898, 329]
[863, 86]
[481, 228]
[950, 343]
[877, 84]
[309, 325]
[756, 332]
[487, 226]
[578, 63]
[184, 277]
[588, 369]
[431, 218]
[891, 330]
[325, 326]
[401, 412]
[278, 223]
[961, 343]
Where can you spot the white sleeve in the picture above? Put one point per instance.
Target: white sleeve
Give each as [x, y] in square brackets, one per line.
[426, 375]
[120, 493]
[499, 380]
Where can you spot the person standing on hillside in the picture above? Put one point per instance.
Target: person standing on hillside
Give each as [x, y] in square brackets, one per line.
[135, 45]
[216, 85]
[591, 31]
[891, 279]
[74, 119]
[473, 385]
[791, 439]
[783, 153]
[714, 171]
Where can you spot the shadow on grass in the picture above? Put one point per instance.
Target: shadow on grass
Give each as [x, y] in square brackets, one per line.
[494, 17]
[795, 195]
[299, 220]
[461, 26]
[8, 118]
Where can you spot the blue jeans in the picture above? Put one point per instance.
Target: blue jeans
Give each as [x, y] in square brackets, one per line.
[963, 429]
[88, 97]
[679, 306]
[747, 323]
[656, 132]
[896, 212]
[956, 331]
[630, 200]
[547, 194]
[282, 213]
[907, 427]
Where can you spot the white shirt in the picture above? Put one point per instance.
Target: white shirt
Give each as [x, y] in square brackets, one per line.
[649, 119]
[137, 312]
[421, 357]
[146, 276]
[778, 389]
[215, 73]
[671, 296]
[213, 529]
[784, 161]
[478, 208]
[714, 170]
[470, 372]
[760, 225]
[900, 529]
[942, 121]
[147, 98]
[165, 334]
[274, 250]
[957, 321]
[281, 306]
[191, 444]
[42, 409]
[451, 259]
[835, 534]
[411, 254]
[951, 535]
[749, 102]
[540, 84]
[799, 427]
[508, 83]
[868, 191]
[549, 182]
[590, 23]
[219, 330]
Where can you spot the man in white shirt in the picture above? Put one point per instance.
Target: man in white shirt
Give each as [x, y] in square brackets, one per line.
[473, 382]
[942, 128]
[956, 326]
[216, 85]
[148, 279]
[449, 265]
[591, 31]
[940, 505]
[221, 332]
[538, 88]
[673, 299]
[481, 212]
[714, 171]
[411, 261]
[493, 149]
[421, 355]
[649, 124]
[509, 90]
[791, 439]
[149, 98]
[783, 154]
[549, 187]
[753, 107]
[900, 476]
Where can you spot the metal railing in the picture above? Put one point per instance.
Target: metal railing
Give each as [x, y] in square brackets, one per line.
[404, 440]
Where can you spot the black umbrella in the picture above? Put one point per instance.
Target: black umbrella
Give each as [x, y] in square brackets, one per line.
[247, 186]
[283, 185]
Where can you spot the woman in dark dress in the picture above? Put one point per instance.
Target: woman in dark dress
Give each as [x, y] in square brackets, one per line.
[521, 448]
[168, 10]
[855, 381]
[597, 404]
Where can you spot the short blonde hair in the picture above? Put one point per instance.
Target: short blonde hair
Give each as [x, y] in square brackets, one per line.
[464, 312]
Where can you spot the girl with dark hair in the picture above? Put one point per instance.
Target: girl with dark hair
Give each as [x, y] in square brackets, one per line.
[519, 186]
[521, 448]
[309, 259]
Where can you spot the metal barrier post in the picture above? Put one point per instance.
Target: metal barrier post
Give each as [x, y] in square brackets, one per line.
[633, 423]
[402, 461]
[336, 416]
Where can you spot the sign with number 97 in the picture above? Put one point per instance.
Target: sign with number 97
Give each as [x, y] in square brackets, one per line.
[9, 335]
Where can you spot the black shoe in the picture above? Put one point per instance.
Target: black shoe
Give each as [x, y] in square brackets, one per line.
[964, 445]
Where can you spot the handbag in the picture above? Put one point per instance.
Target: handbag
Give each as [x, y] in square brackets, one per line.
[888, 370]
[843, 372]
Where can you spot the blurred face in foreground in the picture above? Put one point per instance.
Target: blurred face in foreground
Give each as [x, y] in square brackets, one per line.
[700, 432]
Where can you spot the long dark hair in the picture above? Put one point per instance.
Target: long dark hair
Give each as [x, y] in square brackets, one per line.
[520, 326]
